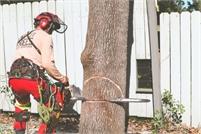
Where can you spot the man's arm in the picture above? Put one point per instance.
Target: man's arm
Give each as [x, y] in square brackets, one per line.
[48, 62]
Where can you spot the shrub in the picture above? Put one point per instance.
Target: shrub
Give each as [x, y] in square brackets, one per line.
[171, 113]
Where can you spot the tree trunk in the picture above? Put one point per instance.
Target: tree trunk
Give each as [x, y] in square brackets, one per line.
[104, 61]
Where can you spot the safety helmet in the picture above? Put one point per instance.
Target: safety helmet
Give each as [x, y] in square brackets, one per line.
[48, 21]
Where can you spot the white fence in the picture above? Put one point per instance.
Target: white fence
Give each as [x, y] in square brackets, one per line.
[16, 19]
[179, 40]
[181, 61]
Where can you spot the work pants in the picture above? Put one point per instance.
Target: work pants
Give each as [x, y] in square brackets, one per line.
[24, 88]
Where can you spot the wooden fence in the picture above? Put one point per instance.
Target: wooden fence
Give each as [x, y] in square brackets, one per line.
[16, 19]
[180, 50]
[180, 36]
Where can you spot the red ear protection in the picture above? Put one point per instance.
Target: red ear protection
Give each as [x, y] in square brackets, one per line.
[50, 22]
[44, 23]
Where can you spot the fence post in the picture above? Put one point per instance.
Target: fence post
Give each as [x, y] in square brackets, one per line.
[152, 26]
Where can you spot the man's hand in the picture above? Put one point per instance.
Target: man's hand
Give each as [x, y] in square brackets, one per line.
[66, 82]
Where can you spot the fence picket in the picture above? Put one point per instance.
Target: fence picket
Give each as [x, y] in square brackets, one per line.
[196, 68]
[175, 55]
[165, 51]
[59, 50]
[35, 9]
[43, 6]
[28, 19]
[7, 22]
[185, 65]
[51, 6]
[77, 40]
[20, 19]
[69, 41]
[84, 20]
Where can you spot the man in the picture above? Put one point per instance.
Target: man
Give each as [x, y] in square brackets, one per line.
[34, 55]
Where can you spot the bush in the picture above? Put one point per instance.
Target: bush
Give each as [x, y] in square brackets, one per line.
[171, 113]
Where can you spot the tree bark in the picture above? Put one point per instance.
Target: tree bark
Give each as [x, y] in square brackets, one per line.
[104, 61]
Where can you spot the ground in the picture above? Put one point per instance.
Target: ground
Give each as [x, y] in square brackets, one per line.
[70, 124]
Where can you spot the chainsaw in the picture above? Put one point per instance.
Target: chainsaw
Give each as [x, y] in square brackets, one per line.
[76, 95]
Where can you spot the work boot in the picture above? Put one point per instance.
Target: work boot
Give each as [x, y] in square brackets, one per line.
[19, 131]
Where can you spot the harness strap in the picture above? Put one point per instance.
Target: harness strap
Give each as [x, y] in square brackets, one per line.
[32, 42]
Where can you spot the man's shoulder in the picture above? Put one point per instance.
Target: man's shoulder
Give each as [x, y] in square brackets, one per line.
[41, 32]
[42, 35]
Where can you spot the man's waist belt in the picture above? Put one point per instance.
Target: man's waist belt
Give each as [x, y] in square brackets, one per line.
[25, 68]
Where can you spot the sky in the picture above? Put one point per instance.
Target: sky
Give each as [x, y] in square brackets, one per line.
[186, 2]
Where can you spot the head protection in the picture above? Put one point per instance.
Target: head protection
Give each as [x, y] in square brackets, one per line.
[48, 21]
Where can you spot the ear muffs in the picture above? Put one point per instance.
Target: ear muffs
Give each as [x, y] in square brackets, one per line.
[44, 23]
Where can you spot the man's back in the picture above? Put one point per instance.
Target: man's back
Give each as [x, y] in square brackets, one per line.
[25, 48]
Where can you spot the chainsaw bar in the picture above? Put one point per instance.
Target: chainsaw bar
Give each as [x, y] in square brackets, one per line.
[129, 100]
[117, 100]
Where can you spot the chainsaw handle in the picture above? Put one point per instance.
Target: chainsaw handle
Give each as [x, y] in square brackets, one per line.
[66, 84]
[62, 85]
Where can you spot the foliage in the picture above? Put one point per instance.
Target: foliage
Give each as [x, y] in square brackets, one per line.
[194, 6]
[171, 6]
[179, 6]
[8, 92]
[170, 114]
[164, 5]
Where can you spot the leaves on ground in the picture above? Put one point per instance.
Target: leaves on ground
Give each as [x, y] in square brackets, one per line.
[138, 125]
[71, 125]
